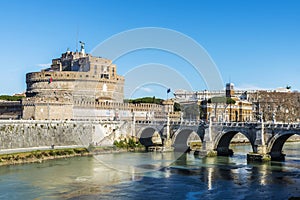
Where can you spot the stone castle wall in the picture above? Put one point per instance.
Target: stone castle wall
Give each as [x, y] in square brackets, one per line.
[38, 133]
[85, 110]
[68, 85]
[10, 110]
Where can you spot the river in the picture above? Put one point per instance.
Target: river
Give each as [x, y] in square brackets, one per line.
[155, 175]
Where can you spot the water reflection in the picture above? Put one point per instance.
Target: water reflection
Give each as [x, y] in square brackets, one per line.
[152, 175]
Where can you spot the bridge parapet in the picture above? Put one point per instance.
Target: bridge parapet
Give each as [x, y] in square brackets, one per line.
[236, 124]
[184, 122]
[284, 126]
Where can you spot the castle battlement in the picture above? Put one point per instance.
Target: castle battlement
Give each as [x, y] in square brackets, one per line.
[81, 86]
[44, 76]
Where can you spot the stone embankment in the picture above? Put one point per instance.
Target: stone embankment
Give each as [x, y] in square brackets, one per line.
[41, 155]
[18, 134]
[38, 156]
[26, 141]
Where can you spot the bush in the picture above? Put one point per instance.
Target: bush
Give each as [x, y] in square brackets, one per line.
[145, 100]
[127, 144]
[131, 143]
[10, 98]
[80, 150]
[51, 153]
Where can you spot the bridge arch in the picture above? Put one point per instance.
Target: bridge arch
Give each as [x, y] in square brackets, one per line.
[276, 144]
[223, 140]
[182, 137]
[146, 136]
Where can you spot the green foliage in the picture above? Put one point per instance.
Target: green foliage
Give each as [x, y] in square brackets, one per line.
[130, 144]
[217, 100]
[38, 154]
[211, 154]
[52, 153]
[10, 98]
[176, 107]
[121, 144]
[226, 100]
[145, 100]
[230, 101]
[80, 150]
[33, 156]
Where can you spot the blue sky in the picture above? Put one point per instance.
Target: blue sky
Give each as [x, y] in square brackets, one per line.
[254, 43]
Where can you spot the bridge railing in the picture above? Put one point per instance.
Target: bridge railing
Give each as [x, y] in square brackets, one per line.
[285, 125]
[183, 122]
[266, 125]
[235, 124]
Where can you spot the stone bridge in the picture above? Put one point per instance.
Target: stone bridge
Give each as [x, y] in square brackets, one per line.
[168, 133]
[266, 139]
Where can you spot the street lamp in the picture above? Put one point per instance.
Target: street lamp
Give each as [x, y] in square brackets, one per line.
[261, 114]
[274, 117]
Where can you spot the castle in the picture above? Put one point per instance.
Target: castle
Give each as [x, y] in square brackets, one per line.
[79, 86]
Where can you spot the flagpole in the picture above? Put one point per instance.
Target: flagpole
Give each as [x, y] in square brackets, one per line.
[168, 90]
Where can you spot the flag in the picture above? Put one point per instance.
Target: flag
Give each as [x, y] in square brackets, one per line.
[169, 90]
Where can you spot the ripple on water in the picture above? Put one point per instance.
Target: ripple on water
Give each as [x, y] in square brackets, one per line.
[152, 176]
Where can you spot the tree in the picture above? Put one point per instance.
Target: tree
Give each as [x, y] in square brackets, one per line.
[229, 100]
[145, 100]
[177, 107]
[221, 100]
[10, 98]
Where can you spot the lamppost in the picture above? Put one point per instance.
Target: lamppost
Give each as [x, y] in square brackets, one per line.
[261, 116]
[274, 117]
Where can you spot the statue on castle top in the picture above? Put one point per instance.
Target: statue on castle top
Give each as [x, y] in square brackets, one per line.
[81, 45]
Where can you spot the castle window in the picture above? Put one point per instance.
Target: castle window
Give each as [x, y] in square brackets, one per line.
[113, 71]
[95, 69]
[106, 76]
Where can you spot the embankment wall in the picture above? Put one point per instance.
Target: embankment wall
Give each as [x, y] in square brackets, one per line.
[34, 133]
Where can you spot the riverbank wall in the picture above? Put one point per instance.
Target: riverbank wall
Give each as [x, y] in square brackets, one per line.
[18, 134]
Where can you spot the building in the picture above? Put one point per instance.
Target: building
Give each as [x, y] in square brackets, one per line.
[279, 105]
[226, 108]
[183, 96]
[81, 86]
